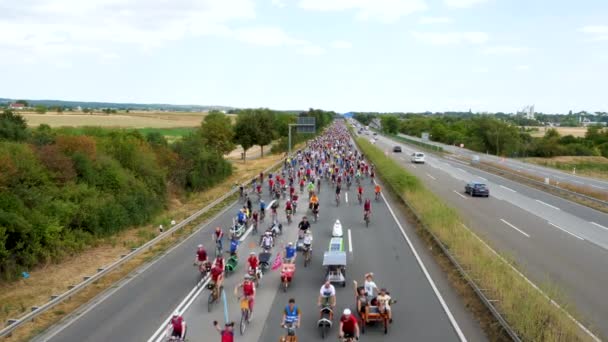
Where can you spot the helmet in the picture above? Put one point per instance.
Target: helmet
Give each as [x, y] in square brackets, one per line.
[175, 313]
[247, 277]
[291, 243]
[346, 312]
[252, 253]
[267, 233]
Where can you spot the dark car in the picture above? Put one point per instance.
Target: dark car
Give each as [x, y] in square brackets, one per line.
[477, 189]
[397, 149]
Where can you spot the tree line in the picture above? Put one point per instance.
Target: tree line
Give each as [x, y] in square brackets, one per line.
[61, 190]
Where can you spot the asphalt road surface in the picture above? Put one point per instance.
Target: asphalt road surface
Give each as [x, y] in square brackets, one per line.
[555, 240]
[537, 170]
[427, 308]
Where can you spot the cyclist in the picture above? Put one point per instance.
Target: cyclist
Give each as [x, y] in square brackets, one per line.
[253, 262]
[217, 278]
[384, 301]
[359, 192]
[177, 326]
[338, 190]
[227, 334]
[248, 292]
[288, 208]
[349, 327]
[377, 190]
[303, 226]
[367, 208]
[292, 314]
[311, 188]
[267, 241]
[234, 244]
[262, 210]
[255, 217]
[201, 255]
[217, 237]
[219, 261]
[307, 241]
[327, 296]
[290, 253]
[313, 200]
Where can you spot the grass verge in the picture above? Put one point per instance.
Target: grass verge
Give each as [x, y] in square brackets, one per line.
[528, 311]
[18, 297]
[585, 166]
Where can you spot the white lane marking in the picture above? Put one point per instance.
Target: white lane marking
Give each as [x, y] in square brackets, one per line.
[246, 233]
[431, 177]
[426, 273]
[158, 334]
[350, 242]
[414, 166]
[459, 194]
[548, 205]
[512, 226]
[599, 225]
[461, 170]
[597, 187]
[504, 187]
[558, 177]
[578, 182]
[581, 326]
[565, 231]
[346, 197]
[482, 178]
[137, 273]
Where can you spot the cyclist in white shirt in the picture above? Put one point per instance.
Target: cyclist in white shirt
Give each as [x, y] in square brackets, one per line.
[327, 295]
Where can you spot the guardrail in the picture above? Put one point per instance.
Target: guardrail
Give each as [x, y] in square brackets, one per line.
[13, 324]
[430, 147]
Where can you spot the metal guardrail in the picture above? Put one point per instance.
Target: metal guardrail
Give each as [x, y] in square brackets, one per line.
[543, 184]
[13, 324]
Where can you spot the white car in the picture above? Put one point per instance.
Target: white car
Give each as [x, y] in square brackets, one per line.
[337, 229]
[418, 157]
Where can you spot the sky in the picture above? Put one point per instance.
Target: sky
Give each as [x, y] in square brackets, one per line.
[342, 55]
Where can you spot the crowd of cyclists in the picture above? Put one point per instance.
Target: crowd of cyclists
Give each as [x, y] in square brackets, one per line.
[330, 158]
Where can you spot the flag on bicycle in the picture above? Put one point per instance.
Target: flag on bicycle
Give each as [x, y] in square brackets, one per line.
[278, 262]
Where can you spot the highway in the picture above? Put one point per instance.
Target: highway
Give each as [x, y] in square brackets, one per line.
[428, 309]
[537, 170]
[555, 240]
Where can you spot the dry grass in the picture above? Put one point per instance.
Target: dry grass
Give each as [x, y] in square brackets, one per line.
[596, 167]
[575, 131]
[17, 298]
[122, 120]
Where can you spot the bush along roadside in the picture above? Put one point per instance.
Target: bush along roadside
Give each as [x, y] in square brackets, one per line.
[528, 311]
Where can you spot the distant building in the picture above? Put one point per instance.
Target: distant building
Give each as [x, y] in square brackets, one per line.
[18, 106]
[586, 122]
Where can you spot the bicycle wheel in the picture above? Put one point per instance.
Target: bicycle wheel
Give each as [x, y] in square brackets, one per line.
[244, 318]
[210, 301]
[323, 330]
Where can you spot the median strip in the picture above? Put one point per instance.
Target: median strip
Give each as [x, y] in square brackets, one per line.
[525, 311]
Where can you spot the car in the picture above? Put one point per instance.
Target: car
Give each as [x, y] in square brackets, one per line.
[372, 140]
[417, 157]
[375, 133]
[477, 189]
[397, 149]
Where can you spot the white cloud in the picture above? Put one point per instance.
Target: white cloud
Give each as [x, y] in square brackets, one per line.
[278, 3]
[434, 20]
[480, 70]
[451, 38]
[341, 44]
[463, 3]
[596, 32]
[275, 37]
[504, 50]
[521, 67]
[309, 49]
[382, 10]
[61, 27]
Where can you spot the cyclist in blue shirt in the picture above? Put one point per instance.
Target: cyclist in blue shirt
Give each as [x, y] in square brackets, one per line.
[290, 253]
[262, 209]
[241, 217]
[292, 314]
[234, 244]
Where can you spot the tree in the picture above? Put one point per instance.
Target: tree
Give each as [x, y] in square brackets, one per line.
[245, 131]
[265, 131]
[217, 132]
[12, 126]
[390, 124]
[40, 109]
[43, 135]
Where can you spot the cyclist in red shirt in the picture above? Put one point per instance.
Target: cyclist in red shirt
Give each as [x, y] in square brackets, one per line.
[367, 207]
[248, 292]
[217, 276]
[201, 255]
[360, 192]
[227, 334]
[177, 326]
[254, 262]
[348, 325]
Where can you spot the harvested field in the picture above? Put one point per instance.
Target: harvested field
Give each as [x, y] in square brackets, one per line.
[574, 131]
[585, 166]
[122, 120]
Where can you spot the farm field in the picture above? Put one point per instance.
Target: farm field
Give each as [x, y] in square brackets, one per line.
[120, 120]
[574, 131]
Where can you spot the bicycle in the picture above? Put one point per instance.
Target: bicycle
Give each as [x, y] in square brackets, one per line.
[213, 296]
[245, 314]
[218, 247]
[307, 255]
[291, 332]
[360, 198]
[337, 200]
[288, 214]
[366, 218]
[378, 196]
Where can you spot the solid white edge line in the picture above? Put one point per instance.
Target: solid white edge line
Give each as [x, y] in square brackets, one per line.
[506, 188]
[426, 273]
[482, 178]
[414, 166]
[512, 226]
[459, 194]
[599, 225]
[346, 197]
[350, 242]
[565, 231]
[579, 324]
[137, 271]
[548, 205]
[433, 178]
[158, 333]
[597, 187]
[246, 233]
